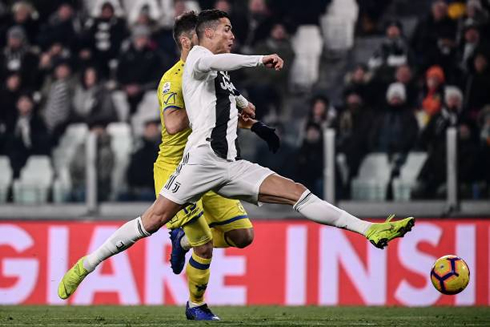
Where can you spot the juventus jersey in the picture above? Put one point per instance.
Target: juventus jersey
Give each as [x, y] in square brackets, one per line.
[210, 99]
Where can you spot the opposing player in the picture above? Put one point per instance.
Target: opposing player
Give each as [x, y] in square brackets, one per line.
[190, 228]
[209, 161]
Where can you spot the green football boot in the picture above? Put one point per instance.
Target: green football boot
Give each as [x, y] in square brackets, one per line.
[382, 233]
[72, 279]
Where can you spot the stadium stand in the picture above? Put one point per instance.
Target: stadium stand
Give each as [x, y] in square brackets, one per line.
[444, 45]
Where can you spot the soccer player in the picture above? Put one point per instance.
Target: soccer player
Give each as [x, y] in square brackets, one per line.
[190, 228]
[209, 161]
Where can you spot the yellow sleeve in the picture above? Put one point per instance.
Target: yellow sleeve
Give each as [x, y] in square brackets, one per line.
[171, 95]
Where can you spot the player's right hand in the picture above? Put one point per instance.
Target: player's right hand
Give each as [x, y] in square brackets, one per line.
[273, 61]
[249, 110]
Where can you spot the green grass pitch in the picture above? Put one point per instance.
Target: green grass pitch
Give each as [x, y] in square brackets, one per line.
[243, 316]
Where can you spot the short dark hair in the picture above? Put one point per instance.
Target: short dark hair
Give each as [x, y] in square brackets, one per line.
[184, 24]
[209, 19]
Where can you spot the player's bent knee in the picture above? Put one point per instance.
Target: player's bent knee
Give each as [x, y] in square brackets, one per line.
[299, 189]
[204, 251]
[241, 238]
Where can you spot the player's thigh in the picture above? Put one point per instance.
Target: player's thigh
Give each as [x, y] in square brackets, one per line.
[244, 181]
[197, 231]
[224, 214]
[160, 177]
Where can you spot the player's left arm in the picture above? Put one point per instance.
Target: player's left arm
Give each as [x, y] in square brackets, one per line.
[263, 131]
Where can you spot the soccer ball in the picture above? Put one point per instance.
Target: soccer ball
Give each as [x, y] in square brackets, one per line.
[450, 274]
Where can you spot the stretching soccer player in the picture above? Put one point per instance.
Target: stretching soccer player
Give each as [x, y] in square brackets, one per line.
[210, 157]
[227, 218]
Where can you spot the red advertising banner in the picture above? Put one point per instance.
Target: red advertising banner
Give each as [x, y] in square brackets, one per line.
[290, 263]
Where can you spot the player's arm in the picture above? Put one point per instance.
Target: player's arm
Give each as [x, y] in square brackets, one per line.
[172, 105]
[175, 119]
[231, 61]
[262, 130]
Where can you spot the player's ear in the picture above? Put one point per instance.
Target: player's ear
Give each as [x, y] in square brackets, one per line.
[185, 42]
[209, 33]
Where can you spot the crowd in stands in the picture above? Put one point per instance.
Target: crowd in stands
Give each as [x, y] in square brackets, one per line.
[68, 62]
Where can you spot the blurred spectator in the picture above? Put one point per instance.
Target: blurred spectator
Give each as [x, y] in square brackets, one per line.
[298, 12]
[432, 176]
[259, 24]
[321, 112]
[393, 52]
[61, 28]
[8, 100]
[359, 81]
[140, 67]
[91, 100]
[23, 15]
[309, 164]
[470, 44]
[104, 165]
[352, 126]
[434, 90]
[370, 12]
[437, 28]
[48, 59]
[266, 87]
[26, 136]
[104, 36]
[404, 75]
[140, 170]
[484, 161]
[58, 94]
[477, 86]
[17, 56]
[395, 131]
[476, 14]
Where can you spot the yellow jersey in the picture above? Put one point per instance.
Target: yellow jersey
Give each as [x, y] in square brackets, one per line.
[170, 97]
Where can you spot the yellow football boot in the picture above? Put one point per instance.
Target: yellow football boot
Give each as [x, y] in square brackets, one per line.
[382, 233]
[72, 279]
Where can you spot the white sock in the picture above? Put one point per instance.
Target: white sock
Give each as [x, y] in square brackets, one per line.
[122, 239]
[184, 242]
[310, 206]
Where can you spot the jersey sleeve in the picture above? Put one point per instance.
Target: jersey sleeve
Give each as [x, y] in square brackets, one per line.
[225, 62]
[170, 95]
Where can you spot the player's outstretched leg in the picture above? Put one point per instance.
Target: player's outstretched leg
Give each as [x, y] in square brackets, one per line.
[277, 189]
[380, 234]
[123, 238]
[177, 257]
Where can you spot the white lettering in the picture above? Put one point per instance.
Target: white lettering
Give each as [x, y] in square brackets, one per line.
[26, 270]
[414, 260]
[159, 275]
[218, 293]
[296, 263]
[57, 262]
[369, 278]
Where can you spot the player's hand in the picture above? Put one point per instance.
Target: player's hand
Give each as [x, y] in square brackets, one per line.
[267, 134]
[249, 110]
[273, 61]
[245, 121]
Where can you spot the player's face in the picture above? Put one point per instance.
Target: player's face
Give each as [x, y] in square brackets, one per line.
[223, 36]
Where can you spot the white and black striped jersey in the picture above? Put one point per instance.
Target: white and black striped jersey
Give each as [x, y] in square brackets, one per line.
[210, 102]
